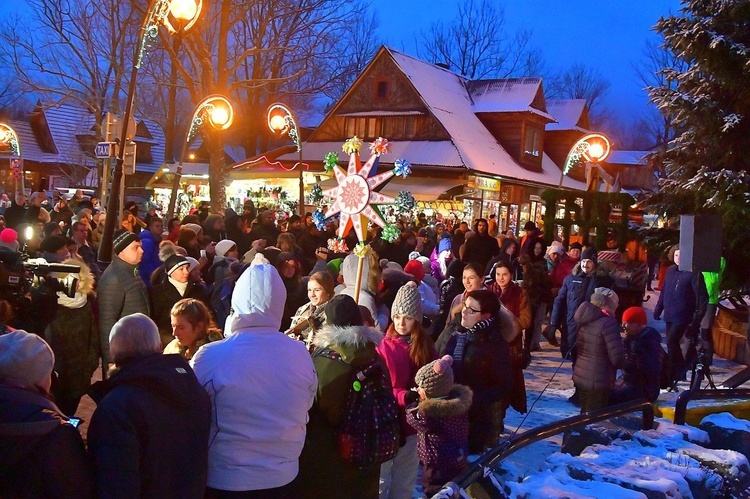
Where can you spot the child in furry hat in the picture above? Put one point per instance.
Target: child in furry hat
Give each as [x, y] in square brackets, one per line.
[442, 422]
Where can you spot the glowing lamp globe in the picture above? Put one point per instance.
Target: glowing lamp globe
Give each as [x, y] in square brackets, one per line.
[184, 10]
[219, 116]
[596, 151]
[277, 123]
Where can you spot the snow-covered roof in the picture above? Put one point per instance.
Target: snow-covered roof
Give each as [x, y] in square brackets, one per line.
[506, 95]
[67, 124]
[567, 112]
[471, 147]
[627, 157]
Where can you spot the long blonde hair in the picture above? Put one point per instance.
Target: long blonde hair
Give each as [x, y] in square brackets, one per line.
[195, 311]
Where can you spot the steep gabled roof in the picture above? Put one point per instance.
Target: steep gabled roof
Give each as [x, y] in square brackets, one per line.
[571, 114]
[508, 95]
[632, 158]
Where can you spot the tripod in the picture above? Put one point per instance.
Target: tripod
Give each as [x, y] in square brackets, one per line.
[700, 371]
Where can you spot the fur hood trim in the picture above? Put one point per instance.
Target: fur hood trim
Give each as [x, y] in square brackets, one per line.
[355, 336]
[456, 403]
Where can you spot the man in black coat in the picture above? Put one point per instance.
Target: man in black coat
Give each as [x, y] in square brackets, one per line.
[577, 288]
[176, 287]
[121, 291]
[481, 247]
[149, 434]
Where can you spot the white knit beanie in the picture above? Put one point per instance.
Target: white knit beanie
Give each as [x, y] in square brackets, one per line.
[25, 359]
[408, 302]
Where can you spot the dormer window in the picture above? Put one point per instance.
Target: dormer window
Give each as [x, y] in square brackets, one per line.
[532, 142]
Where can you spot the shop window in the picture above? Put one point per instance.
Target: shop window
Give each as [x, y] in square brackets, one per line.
[532, 142]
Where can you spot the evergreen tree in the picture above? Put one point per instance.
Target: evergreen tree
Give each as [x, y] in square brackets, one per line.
[703, 169]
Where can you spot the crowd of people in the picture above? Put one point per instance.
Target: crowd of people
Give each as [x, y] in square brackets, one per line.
[209, 331]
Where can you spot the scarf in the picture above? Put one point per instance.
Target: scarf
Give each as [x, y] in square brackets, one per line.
[78, 301]
[180, 286]
[465, 336]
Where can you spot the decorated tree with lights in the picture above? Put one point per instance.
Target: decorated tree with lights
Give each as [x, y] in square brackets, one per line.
[704, 168]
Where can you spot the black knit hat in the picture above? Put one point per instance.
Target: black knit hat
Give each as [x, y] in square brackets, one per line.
[590, 254]
[342, 310]
[576, 245]
[54, 243]
[174, 262]
[122, 240]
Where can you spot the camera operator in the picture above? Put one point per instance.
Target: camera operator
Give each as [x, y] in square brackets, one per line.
[121, 290]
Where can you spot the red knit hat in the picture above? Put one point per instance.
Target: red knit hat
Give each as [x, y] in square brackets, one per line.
[415, 268]
[634, 315]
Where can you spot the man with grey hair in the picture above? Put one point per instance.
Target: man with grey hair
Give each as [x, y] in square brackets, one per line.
[149, 434]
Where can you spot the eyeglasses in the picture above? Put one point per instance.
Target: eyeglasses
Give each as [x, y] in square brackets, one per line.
[472, 310]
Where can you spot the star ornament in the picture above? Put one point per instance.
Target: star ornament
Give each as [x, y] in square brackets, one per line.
[354, 196]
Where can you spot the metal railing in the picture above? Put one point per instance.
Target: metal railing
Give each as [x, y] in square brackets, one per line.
[680, 406]
[479, 468]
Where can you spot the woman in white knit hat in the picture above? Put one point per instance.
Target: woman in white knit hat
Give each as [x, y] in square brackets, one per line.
[405, 348]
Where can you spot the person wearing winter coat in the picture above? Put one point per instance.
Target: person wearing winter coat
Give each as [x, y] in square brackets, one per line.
[226, 254]
[441, 257]
[42, 451]
[481, 360]
[323, 471]
[643, 358]
[290, 270]
[261, 384]
[149, 433]
[369, 286]
[450, 287]
[405, 349]
[441, 419]
[482, 247]
[537, 286]
[121, 291]
[430, 303]
[74, 337]
[177, 286]
[310, 317]
[577, 288]
[600, 349]
[150, 240]
[683, 301]
[192, 327]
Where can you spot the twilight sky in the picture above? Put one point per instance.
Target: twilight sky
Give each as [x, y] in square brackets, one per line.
[609, 35]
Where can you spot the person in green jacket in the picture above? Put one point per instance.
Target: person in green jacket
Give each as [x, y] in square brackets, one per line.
[713, 286]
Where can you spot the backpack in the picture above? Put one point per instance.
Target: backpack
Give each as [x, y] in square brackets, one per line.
[368, 433]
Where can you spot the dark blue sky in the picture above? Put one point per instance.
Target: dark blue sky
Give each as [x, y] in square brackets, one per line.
[607, 34]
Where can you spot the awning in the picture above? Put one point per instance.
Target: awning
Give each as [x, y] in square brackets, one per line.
[192, 173]
[422, 188]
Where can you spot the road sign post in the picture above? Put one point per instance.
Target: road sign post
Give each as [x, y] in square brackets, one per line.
[104, 150]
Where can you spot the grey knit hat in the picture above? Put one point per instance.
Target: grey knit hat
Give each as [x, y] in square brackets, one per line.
[436, 378]
[408, 302]
[25, 358]
[605, 298]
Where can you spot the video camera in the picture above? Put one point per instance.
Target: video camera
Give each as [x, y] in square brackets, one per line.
[31, 287]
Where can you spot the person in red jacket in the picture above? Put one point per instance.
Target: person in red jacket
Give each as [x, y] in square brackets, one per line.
[405, 348]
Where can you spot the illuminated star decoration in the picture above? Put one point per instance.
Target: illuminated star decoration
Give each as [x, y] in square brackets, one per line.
[355, 195]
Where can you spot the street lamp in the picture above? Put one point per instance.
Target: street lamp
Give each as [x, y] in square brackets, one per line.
[281, 122]
[176, 16]
[10, 137]
[215, 110]
[593, 148]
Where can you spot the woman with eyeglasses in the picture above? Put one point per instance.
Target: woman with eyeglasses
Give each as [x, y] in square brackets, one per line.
[472, 279]
[481, 360]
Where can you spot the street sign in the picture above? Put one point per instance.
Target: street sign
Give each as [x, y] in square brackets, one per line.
[104, 150]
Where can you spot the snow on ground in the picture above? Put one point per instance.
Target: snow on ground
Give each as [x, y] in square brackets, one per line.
[673, 463]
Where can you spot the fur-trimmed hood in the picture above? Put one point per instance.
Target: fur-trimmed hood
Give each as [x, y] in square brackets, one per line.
[456, 403]
[349, 336]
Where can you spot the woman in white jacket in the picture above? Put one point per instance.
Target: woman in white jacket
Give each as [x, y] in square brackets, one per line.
[259, 411]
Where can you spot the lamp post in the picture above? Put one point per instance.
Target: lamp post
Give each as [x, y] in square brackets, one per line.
[593, 148]
[10, 137]
[217, 111]
[281, 121]
[184, 14]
